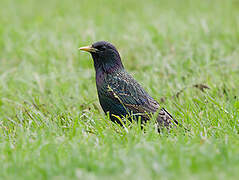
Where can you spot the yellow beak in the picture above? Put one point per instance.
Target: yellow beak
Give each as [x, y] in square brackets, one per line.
[88, 49]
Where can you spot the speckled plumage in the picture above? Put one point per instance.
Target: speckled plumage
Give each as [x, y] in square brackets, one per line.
[119, 93]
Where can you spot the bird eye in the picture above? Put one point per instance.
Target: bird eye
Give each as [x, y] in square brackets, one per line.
[102, 48]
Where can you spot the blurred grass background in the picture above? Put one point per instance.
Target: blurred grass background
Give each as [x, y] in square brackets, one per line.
[51, 125]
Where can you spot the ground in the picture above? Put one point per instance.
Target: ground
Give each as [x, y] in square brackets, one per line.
[51, 124]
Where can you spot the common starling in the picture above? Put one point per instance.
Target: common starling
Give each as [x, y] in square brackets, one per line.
[119, 93]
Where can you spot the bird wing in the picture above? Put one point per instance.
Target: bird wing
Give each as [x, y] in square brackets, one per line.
[134, 98]
[130, 94]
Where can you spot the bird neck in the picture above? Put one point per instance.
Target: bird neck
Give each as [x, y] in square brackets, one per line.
[105, 70]
[109, 67]
[108, 63]
[112, 67]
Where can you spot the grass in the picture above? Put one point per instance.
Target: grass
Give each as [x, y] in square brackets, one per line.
[51, 125]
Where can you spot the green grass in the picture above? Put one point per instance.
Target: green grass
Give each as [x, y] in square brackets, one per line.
[51, 124]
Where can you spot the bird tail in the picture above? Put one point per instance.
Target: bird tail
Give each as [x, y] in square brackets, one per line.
[167, 119]
[170, 116]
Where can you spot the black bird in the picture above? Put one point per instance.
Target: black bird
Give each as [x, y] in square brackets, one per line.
[119, 93]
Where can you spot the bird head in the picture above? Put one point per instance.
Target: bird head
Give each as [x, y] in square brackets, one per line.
[105, 56]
